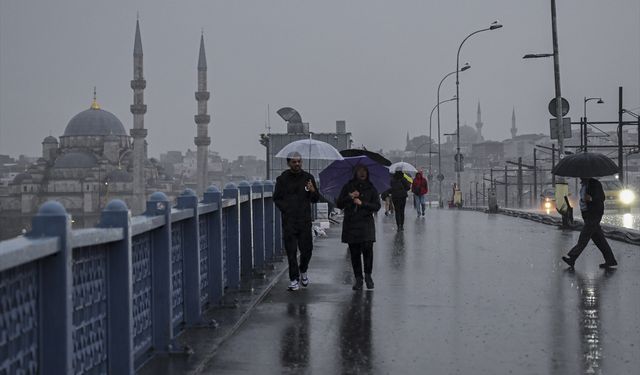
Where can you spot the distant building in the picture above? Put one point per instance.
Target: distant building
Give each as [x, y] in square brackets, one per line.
[297, 130]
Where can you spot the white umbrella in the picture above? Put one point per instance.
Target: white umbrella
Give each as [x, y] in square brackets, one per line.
[402, 166]
[310, 149]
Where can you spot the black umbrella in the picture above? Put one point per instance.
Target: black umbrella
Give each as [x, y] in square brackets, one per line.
[585, 164]
[370, 154]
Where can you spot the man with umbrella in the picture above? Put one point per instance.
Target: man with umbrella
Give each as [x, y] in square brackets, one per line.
[586, 166]
[293, 194]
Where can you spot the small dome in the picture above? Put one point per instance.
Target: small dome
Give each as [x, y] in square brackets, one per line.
[94, 121]
[76, 159]
[119, 175]
[20, 178]
[50, 139]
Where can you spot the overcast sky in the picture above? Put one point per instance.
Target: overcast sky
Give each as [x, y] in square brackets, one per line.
[375, 64]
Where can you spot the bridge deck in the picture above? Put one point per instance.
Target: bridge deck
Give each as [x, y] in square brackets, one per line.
[457, 292]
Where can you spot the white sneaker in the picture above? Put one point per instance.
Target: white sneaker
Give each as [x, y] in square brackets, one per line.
[293, 285]
[304, 279]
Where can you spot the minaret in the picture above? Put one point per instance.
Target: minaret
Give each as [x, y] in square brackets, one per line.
[514, 130]
[407, 145]
[139, 133]
[202, 119]
[479, 124]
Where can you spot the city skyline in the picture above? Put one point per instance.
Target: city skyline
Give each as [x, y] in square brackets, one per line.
[371, 64]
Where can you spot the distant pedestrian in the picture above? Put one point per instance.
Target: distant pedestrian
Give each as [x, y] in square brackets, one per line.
[293, 194]
[592, 207]
[398, 190]
[420, 188]
[388, 203]
[359, 200]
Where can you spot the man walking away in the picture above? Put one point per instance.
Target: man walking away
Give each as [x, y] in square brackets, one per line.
[420, 188]
[592, 207]
[293, 194]
[399, 188]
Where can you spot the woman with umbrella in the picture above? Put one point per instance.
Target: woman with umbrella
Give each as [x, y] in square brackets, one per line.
[586, 166]
[359, 200]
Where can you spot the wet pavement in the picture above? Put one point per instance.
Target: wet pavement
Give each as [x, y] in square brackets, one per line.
[493, 299]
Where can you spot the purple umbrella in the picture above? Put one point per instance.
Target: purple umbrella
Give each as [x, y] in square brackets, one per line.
[338, 173]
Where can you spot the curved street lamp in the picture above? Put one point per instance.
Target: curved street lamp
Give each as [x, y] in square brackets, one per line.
[465, 67]
[494, 25]
[430, 144]
[584, 114]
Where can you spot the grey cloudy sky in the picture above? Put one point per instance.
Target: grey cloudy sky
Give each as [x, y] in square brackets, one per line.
[375, 64]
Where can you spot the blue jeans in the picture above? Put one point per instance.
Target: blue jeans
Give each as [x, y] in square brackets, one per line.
[419, 202]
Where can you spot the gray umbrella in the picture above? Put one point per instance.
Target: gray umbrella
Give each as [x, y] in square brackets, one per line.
[585, 164]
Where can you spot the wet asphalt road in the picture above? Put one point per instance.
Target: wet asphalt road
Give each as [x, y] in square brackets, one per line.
[493, 299]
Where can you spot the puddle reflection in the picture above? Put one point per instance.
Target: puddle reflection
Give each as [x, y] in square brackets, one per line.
[355, 335]
[294, 344]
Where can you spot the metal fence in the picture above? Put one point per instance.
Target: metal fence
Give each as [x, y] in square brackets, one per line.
[104, 300]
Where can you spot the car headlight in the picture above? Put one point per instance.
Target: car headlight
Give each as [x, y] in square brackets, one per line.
[547, 204]
[627, 196]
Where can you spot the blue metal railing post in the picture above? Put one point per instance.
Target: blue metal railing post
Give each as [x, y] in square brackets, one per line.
[277, 237]
[269, 221]
[232, 227]
[158, 205]
[216, 273]
[56, 284]
[246, 233]
[191, 245]
[120, 289]
[258, 225]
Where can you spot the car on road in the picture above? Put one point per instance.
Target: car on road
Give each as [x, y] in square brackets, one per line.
[617, 196]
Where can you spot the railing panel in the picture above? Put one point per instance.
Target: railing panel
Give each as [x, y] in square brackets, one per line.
[19, 318]
[142, 293]
[225, 273]
[177, 276]
[90, 310]
[203, 222]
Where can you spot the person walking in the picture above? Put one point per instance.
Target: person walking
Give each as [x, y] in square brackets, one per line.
[359, 199]
[420, 188]
[592, 207]
[398, 190]
[293, 194]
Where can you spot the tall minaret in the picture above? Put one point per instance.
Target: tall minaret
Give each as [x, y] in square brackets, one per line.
[139, 133]
[479, 124]
[202, 119]
[514, 130]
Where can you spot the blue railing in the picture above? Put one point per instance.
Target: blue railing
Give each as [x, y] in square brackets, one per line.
[104, 300]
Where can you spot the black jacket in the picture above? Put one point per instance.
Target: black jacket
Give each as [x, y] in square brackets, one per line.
[596, 206]
[399, 187]
[292, 199]
[358, 225]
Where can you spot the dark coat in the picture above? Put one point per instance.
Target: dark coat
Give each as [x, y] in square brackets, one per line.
[399, 187]
[358, 225]
[292, 199]
[596, 206]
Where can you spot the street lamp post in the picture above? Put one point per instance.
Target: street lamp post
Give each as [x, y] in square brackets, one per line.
[495, 25]
[440, 176]
[431, 141]
[584, 132]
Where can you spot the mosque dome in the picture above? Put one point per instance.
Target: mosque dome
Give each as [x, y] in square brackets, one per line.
[119, 175]
[76, 159]
[94, 121]
[50, 140]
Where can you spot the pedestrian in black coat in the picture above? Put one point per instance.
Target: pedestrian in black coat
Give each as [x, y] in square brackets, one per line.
[359, 199]
[398, 191]
[592, 207]
[293, 194]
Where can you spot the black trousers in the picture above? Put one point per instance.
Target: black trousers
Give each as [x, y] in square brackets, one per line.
[399, 209]
[364, 250]
[297, 235]
[592, 231]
